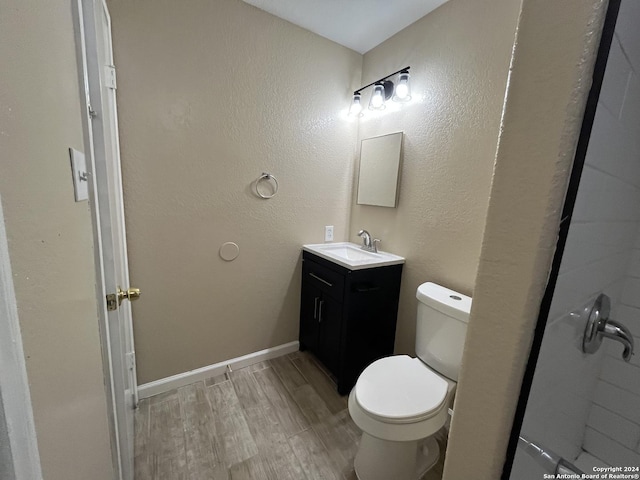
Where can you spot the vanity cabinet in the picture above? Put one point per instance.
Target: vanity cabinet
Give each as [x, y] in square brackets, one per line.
[347, 317]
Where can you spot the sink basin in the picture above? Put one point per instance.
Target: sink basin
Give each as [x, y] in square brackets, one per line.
[351, 256]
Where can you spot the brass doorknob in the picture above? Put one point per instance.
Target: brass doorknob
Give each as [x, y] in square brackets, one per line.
[130, 294]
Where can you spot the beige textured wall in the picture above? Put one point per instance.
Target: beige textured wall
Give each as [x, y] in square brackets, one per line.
[550, 78]
[50, 238]
[212, 94]
[459, 57]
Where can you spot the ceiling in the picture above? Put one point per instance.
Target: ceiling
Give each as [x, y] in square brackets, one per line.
[356, 24]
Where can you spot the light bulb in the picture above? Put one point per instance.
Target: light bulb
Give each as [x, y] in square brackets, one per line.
[403, 91]
[356, 106]
[377, 98]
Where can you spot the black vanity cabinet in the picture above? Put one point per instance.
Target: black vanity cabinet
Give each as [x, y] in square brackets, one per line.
[348, 317]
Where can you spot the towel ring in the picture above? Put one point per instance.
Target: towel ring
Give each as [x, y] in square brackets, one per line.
[266, 177]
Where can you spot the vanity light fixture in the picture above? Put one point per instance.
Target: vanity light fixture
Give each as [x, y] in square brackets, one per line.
[403, 89]
[378, 97]
[383, 90]
[356, 105]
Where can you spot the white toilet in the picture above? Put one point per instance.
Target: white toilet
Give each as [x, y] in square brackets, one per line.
[399, 402]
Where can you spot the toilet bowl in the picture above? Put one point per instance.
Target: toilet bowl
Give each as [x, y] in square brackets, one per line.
[400, 402]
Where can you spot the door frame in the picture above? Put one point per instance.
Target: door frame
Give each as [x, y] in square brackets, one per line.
[567, 212]
[14, 383]
[88, 71]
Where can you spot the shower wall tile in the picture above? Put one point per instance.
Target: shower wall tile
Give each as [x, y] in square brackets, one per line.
[602, 447]
[631, 292]
[617, 400]
[619, 201]
[584, 401]
[622, 375]
[615, 349]
[614, 421]
[627, 31]
[634, 264]
[589, 194]
[564, 384]
[589, 242]
[615, 426]
[582, 284]
[630, 116]
[612, 149]
[637, 239]
[615, 79]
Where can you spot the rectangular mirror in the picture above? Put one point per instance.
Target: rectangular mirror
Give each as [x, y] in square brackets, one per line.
[380, 161]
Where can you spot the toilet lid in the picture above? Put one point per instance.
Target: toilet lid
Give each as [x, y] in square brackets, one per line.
[400, 388]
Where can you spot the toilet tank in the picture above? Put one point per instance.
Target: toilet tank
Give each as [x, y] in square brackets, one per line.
[441, 328]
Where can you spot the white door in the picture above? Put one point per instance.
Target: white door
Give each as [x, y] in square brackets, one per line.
[100, 83]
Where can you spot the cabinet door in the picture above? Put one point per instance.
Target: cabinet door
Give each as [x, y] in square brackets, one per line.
[309, 306]
[330, 321]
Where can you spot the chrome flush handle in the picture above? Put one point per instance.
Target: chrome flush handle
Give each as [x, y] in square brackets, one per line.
[600, 326]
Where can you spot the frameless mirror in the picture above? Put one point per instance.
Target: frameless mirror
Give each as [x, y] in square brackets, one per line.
[378, 180]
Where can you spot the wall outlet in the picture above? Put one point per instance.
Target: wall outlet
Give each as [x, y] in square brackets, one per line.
[328, 233]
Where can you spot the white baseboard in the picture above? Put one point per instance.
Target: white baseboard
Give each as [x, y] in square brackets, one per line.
[180, 380]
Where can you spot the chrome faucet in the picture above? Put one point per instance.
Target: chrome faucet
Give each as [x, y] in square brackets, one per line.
[367, 243]
[616, 331]
[600, 326]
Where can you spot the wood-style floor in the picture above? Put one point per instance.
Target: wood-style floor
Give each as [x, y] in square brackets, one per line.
[276, 420]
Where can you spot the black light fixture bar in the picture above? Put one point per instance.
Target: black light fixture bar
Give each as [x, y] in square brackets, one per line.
[403, 70]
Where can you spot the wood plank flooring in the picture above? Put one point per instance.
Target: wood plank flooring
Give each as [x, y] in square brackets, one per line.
[275, 420]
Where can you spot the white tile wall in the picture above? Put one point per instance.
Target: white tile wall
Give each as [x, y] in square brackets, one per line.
[617, 400]
[613, 453]
[592, 402]
[613, 426]
[564, 384]
[614, 421]
[628, 32]
[617, 78]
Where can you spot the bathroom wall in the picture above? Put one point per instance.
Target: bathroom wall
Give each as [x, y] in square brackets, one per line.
[541, 122]
[210, 95]
[459, 57]
[599, 249]
[612, 432]
[613, 428]
[50, 238]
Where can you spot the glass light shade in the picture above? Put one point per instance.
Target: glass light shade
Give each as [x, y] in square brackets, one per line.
[377, 98]
[403, 90]
[356, 106]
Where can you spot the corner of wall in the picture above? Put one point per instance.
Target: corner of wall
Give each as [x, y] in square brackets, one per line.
[552, 62]
[451, 128]
[50, 239]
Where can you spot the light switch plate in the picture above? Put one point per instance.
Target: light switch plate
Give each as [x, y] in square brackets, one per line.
[80, 176]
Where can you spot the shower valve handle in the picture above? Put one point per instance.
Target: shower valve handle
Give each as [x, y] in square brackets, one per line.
[600, 326]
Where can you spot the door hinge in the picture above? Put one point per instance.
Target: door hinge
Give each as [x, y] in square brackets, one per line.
[110, 76]
[92, 113]
[131, 360]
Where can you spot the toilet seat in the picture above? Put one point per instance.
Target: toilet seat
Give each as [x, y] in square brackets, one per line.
[400, 402]
[399, 390]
